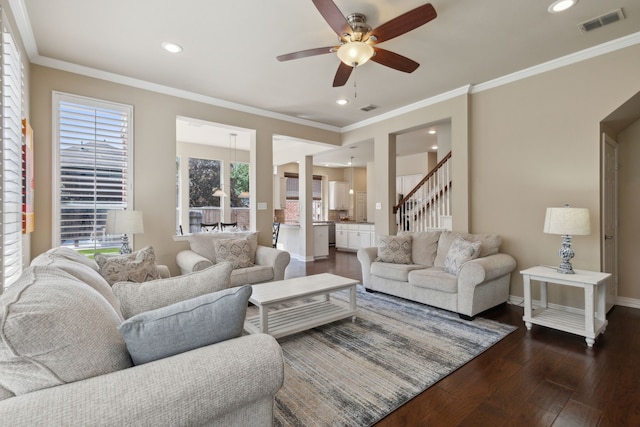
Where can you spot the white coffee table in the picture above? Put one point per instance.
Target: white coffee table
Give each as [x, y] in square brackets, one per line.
[300, 317]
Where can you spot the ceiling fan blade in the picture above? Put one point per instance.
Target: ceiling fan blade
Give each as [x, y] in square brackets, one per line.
[404, 23]
[342, 75]
[305, 53]
[333, 16]
[393, 60]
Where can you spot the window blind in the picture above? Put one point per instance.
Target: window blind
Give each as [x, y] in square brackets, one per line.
[12, 90]
[93, 166]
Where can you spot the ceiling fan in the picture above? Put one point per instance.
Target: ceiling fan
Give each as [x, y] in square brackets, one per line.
[357, 39]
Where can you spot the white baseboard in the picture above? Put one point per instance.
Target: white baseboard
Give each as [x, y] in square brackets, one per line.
[622, 301]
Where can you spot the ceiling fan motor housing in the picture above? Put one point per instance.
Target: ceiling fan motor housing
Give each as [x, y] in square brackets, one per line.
[358, 23]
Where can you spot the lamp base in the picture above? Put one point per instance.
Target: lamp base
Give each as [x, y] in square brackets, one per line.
[566, 253]
[125, 248]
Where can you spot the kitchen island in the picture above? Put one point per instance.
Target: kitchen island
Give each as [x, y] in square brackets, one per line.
[291, 240]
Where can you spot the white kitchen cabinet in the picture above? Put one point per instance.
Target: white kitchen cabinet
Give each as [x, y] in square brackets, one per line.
[354, 236]
[279, 192]
[342, 241]
[321, 241]
[338, 195]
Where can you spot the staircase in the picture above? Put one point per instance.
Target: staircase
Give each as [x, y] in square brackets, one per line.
[428, 204]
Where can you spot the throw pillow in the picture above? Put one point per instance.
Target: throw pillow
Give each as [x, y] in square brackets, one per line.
[138, 266]
[54, 330]
[186, 325]
[394, 249]
[235, 251]
[460, 252]
[136, 298]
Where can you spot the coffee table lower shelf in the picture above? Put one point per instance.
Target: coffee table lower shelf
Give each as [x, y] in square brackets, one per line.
[299, 318]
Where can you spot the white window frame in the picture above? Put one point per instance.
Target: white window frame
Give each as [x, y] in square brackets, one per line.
[12, 102]
[58, 98]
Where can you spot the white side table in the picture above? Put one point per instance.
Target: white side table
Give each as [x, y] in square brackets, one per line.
[589, 325]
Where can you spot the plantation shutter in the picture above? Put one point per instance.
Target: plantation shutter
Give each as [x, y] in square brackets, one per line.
[12, 89]
[94, 168]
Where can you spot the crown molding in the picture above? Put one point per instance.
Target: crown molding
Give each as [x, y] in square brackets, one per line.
[583, 55]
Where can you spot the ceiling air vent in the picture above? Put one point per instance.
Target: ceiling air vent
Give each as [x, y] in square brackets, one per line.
[369, 107]
[601, 21]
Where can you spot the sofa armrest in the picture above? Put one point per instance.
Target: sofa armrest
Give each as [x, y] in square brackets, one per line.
[205, 386]
[366, 256]
[189, 261]
[275, 258]
[163, 271]
[484, 269]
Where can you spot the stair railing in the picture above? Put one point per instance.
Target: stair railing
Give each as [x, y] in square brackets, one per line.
[428, 205]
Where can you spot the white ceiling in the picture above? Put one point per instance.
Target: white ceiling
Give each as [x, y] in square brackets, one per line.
[230, 48]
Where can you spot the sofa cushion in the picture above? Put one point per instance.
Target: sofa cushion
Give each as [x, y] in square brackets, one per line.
[392, 271]
[136, 298]
[434, 278]
[138, 266]
[83, 273]
[235, 251]
[460, 252]
[424, 245]
[186, 325]
[250, 275]
[394, 249]
[489, 244]
[54, 330]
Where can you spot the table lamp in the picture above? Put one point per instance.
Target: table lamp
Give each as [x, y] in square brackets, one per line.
[567, 221]
[124, 222]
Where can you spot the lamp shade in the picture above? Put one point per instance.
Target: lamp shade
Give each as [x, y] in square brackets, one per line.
[355, 53]
[124, 222]
[219, 193]
[567, 221]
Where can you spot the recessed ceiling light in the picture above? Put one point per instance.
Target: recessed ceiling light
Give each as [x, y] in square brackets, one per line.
[171, 47]
[561, 5]
[434, 147]
[342, 101]
[432, 131]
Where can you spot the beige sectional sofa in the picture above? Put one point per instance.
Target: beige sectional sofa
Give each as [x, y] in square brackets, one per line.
[262, 264]
[473, 277]
[67, 359]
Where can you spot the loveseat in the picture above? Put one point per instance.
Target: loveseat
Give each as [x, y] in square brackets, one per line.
[75, 351]
[463, 273]
[252, 263]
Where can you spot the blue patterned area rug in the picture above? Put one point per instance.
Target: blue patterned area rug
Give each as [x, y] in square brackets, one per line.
[355, 373]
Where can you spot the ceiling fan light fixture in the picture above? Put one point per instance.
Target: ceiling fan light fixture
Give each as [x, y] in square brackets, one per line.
[355, 54]
[561, 5]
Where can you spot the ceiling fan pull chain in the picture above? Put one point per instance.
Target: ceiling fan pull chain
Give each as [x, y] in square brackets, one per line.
[355, 84]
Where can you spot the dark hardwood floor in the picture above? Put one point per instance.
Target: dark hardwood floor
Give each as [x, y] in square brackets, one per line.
[541, 377]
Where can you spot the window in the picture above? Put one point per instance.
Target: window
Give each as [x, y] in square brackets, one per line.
[93, 169]
[204, 179]
[12, 113]
[292, 209]
[239, 195]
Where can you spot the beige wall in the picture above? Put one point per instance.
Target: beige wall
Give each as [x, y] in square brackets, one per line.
[535, 143]
[629, 211]
[155, 151]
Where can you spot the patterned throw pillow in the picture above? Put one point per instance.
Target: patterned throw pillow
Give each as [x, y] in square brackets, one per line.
[460, 252]
[235, 251]
[138, 266]
[394, 249]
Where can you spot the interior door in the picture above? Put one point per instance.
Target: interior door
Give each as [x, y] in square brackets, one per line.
[609, 216]
[361, 206]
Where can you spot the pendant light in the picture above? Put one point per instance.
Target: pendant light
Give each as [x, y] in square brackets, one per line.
[351, 184]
